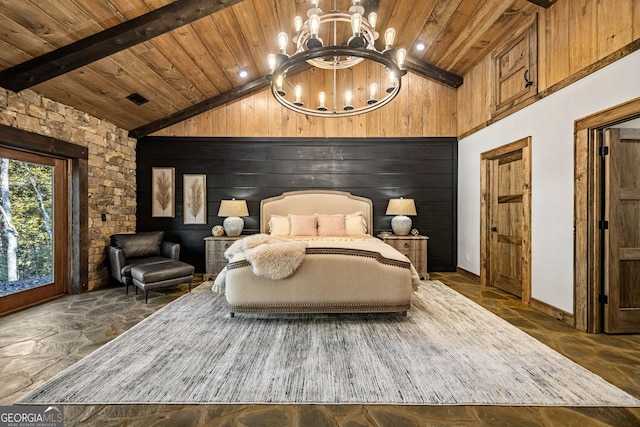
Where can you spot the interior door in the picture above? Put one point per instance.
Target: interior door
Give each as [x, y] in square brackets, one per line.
[622, 233]
[506, 222]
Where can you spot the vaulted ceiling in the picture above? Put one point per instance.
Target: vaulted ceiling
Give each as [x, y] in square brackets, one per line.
[184, 56]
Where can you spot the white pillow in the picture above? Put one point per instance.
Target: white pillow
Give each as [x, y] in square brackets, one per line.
[355, 224]
[279, 225]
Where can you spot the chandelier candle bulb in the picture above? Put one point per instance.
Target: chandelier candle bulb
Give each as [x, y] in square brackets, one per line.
[279, 83]
[356, 25]
[298, 90]
[373, 92]
[373, 20]
[389, 38]
[401, 56]
[347, 98]
[314, 41]
[392, 82]
[271, 62]
[283, 39]
[321, 95]
[356, 22]
[314, 25]
[297, 23]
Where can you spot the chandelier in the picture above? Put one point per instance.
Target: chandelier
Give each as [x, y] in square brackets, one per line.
[351, 77]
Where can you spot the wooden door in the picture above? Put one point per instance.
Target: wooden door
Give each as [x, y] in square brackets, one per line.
[506, 219]
[622, 233]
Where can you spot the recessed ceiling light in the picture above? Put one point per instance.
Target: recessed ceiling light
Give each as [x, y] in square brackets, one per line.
[421, 46]
[243, 74]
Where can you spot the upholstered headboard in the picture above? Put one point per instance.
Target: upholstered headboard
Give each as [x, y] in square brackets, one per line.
[309, 202]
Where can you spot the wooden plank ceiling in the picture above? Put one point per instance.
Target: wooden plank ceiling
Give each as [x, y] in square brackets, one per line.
[184, 56]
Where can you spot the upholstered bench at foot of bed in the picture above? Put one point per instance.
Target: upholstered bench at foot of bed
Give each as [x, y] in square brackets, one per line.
[149, 277]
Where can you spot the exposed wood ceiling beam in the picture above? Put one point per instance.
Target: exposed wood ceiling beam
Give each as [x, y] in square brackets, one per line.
[108, 42]
[201, 107]
[417, 66]
[543, 3]
[432, 72]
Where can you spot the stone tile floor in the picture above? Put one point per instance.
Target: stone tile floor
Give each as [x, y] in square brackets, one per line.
[41, 341]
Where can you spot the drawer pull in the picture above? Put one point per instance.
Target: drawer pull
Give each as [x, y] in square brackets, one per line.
[406, 245]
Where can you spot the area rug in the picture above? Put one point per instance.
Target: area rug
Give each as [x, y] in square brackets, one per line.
[446, 351]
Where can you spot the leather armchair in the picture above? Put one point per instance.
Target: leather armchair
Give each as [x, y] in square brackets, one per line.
[129, 250]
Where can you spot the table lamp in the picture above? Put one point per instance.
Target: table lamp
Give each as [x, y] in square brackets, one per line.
[233, 210]
[401, 223]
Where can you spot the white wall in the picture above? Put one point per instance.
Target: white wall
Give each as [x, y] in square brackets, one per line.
[550, 123]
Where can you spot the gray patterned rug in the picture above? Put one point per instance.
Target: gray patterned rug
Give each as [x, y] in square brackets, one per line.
[447, 351]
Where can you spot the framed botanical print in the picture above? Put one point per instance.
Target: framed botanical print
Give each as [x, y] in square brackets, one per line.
[163, 187]
[195, 198]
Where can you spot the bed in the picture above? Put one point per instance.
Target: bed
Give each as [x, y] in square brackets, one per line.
[341, 271]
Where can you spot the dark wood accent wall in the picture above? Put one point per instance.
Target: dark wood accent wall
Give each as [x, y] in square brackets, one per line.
[424, 169]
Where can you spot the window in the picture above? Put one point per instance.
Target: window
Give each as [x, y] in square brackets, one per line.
[33, 228]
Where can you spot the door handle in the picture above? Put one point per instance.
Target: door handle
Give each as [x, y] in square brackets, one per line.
[494, 229]
[527, 82]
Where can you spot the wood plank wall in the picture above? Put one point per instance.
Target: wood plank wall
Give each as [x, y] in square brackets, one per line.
[255, 168]
[422, 108]
[572, 35]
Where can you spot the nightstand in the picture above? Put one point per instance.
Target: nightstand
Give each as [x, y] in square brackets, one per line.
[214, 253]
[413, 247]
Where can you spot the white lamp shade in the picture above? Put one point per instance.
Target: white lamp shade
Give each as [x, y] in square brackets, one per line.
[401, 207]
[233, 208]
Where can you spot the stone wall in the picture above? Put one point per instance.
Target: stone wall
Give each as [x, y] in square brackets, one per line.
[112, 165]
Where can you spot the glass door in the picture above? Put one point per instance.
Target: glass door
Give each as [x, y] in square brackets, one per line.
[33, 229]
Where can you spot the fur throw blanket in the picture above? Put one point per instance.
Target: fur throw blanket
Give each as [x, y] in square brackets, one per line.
[269, 256]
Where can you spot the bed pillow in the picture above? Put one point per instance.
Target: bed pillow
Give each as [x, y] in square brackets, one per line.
[355, 224]
[331, 225]
[303, 225]
[279, 225]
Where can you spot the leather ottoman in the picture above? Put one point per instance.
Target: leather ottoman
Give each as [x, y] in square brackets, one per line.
[149, 277]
